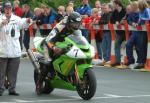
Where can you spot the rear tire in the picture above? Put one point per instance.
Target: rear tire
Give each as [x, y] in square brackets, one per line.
[87, 89]
[47, 89]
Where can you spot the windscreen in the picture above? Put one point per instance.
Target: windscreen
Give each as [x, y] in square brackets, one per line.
[78, 39]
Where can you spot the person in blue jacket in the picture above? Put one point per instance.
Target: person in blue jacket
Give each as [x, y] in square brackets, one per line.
[50, 17]
[85, 10]
[142, 47]
[132, 19]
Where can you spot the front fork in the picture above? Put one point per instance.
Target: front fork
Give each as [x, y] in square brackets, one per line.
[80, 71]
[78, 80]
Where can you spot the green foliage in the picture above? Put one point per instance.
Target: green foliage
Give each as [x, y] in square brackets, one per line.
[126, 2]
[56, 3]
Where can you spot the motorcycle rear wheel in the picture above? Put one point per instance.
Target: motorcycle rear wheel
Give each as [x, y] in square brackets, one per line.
[87, 89]
[47, 89]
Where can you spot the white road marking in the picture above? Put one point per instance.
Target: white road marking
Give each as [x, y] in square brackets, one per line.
[74, 98]
[111, 95]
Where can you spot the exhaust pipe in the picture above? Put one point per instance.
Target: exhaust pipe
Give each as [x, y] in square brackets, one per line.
[33, 59]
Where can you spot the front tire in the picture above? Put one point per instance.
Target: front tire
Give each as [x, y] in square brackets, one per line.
[87, 89]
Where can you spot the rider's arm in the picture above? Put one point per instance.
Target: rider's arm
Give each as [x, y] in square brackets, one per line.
[57, 29]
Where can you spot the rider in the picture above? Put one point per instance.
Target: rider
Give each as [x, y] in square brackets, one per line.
[64, 28]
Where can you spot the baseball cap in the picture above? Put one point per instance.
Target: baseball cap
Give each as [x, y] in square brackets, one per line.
[7, 4]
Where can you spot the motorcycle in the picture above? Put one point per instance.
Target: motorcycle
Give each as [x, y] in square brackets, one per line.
[72, 70]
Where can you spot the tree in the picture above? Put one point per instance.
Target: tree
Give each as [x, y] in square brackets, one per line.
[55, 3]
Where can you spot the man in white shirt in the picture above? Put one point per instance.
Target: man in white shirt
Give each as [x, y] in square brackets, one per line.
[10, 50]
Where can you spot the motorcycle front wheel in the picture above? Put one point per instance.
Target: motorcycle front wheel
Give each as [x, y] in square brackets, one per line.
[87, 88]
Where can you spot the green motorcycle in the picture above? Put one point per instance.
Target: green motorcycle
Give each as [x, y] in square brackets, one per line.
[72, 70]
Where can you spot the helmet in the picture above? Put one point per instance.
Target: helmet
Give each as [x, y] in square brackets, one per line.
[74, 20]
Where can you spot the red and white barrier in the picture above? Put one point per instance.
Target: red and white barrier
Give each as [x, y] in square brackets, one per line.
[112, 28]
[125, 60]
[113, 57]
[147, 65]
[93, 41]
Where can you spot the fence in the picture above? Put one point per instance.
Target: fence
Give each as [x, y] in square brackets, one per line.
[112, 27]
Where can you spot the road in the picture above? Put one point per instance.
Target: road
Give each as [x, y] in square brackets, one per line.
[113, 86]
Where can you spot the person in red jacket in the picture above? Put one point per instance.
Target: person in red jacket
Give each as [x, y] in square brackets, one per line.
[17, 9]
[95, 17]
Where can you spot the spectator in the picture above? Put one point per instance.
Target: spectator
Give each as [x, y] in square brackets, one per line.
[26, 14]
[69, 9]
[98, 35]
[17, 9]
[60, 13]
[106, 40]
[117, 15]
[148, 2]
[129, 9]
[50, 17]
[132, 18]
[0, 9]
[98, 6]
[85, 11]
[142, 42]
[38, 16]
[18, 12]
[10, 26]
[71, 4]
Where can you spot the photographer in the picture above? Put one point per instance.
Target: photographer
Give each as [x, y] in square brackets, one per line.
[10, 50]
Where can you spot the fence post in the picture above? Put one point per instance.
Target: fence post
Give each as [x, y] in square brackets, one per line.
[93, 41]
[147, 65]
[31, 30]
[31, 37]
[125, 59]
[113, 57]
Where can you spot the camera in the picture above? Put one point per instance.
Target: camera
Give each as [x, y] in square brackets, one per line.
[12, 32]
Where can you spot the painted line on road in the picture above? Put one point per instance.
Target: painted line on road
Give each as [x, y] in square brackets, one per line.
[115, 96]
[110, 96]
[130, 96]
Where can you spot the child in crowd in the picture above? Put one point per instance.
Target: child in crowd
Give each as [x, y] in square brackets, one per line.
[98, 6]
[141, 47]
[132, 19]
[60, 13]
[69, 9]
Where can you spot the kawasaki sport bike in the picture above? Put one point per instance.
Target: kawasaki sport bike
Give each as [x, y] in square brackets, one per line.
[72, 70]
